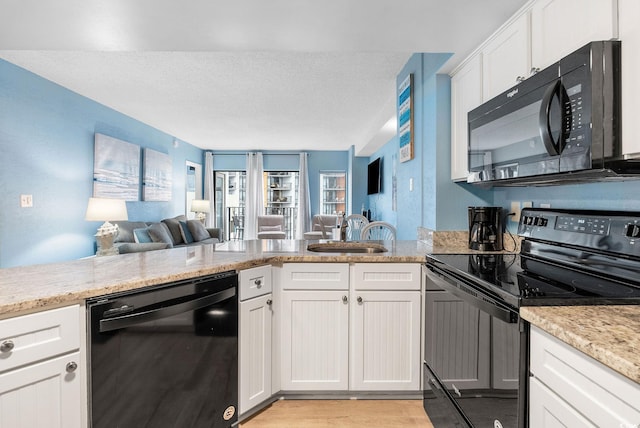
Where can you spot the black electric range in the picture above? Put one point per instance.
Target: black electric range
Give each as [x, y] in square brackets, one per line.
[567, 257]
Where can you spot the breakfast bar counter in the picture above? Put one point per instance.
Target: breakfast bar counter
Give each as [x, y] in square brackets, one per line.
[38, 287]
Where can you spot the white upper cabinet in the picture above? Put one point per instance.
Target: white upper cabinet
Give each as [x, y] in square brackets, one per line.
[558, 27]
[506, 58]
[629, 12]
[466, 94]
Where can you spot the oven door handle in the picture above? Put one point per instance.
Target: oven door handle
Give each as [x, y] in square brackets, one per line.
[483, 302]
[142, 315]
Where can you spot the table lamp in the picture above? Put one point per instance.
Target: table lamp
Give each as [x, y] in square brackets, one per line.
[104, 209]
[201, 207]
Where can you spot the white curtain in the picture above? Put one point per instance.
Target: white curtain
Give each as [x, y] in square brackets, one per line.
[303, 223]
[209, 188]
[255, 195]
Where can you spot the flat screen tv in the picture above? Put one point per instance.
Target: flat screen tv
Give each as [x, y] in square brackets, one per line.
[374, 177]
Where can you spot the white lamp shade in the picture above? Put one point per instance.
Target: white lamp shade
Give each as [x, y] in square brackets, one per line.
[104, 209]
[200, 206]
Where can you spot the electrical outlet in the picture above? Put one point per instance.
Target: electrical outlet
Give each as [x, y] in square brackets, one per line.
[515, 208]
[26, 201]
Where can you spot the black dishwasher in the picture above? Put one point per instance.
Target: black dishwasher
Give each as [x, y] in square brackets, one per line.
[165, 356]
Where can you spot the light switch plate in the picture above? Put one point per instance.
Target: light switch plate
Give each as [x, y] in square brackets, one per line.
[26, 201]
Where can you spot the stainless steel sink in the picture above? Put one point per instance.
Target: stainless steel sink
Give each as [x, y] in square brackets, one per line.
[346, 247]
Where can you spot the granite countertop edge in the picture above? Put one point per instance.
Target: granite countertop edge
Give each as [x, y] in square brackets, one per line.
[609, 334]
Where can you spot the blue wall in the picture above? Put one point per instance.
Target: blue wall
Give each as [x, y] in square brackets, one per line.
[435, 202]
[46, 150]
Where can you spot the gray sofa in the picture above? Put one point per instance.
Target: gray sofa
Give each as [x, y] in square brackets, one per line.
[139, 236]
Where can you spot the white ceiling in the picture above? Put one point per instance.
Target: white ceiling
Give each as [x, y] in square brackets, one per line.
[245, 74]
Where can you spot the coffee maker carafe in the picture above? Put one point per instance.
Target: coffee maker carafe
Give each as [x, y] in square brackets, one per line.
[485, 228]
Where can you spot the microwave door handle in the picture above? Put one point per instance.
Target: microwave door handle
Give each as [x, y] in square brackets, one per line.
[131, 319]
[544, 122]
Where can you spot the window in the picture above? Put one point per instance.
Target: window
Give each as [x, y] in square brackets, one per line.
[333, 192]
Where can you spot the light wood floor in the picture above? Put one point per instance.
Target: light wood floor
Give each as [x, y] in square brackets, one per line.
[341, 413]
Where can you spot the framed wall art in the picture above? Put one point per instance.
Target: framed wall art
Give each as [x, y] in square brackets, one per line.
[405, 118]
[158, 174]
[116, 169]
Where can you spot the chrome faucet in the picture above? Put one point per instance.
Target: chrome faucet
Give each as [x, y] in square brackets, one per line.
[343, 228]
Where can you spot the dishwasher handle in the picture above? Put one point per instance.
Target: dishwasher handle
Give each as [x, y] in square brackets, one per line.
[142, 315]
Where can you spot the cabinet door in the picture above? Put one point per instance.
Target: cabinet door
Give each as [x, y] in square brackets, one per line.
[547, 410]
[446, 317]
[466, 94]
[255, 351]
[629, 11]
[599, 393]
[43, 395]
[315, 340]
[385, 341]
[558, 27]
[506, 58]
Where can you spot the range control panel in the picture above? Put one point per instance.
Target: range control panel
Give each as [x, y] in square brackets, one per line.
[595, 225]
[617, 232]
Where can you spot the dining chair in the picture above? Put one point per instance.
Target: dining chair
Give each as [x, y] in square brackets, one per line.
[271, 227]
[356, 222]
[378, 230]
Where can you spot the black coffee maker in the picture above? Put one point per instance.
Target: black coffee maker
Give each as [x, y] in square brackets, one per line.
[485, 228]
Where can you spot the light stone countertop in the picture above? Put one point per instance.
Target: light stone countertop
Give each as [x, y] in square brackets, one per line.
[609, 334]
[38, 287]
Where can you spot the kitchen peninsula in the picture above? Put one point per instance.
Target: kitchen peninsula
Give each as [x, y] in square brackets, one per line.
[33, 289]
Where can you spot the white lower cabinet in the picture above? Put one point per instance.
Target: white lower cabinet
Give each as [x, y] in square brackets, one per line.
[315, 351]
[40, 374]
[255, 352]
[385, 342]
[255, 337]
[569, 388]
[358, 332]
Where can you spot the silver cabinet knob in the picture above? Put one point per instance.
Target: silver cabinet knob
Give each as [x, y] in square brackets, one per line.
[258, 283]
[7, 346]
[269, 302]
[520, 79]
[71, 367]
[534, 70]
[359, 299]
[344, 299]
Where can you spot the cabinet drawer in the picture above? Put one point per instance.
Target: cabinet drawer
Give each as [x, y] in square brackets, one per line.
[602, 395]
[388, 276]
[29, 338]
[315, 276]
[47, 394]
[254, 282]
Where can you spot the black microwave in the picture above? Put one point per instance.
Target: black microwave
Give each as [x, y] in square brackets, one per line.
[561, 124]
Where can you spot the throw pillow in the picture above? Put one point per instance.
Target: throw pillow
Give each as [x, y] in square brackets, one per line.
[185, 232]
[198, 231]
[159, 232]
[174, 228]
[142, 236]
[276, 228]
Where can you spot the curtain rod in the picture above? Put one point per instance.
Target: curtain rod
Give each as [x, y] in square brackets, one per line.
[263, 154]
